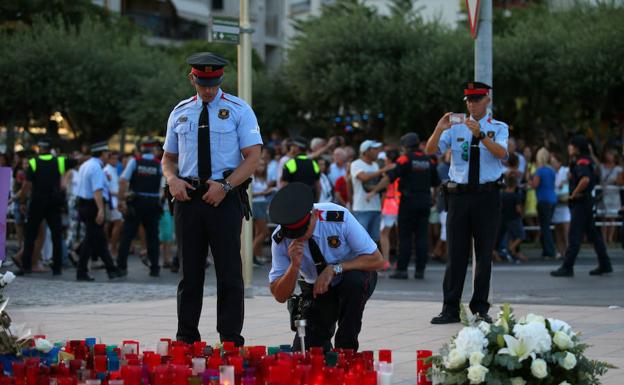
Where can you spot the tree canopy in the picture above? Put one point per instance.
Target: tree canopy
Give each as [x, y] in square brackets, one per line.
[552, 70]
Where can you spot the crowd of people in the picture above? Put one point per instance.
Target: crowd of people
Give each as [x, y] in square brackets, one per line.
[534, 200]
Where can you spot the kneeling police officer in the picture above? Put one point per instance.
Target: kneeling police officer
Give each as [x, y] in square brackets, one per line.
[323, 248]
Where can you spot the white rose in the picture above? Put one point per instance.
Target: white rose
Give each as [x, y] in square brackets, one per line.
[484, 327]
[559, 325]
[475, 358]
[539, 368]
[517, 381]
[476, 374]
[568, 362]
[562, 340]
[533, 318]
[8, 278]
[455, 359]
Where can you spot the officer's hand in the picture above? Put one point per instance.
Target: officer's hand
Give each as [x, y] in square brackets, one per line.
[322, 282]
[121, 207]
[295, 252]
[99, 219]
[445, 122]
[474, 126]
[22, 208]
[215, 193]
[177, 188]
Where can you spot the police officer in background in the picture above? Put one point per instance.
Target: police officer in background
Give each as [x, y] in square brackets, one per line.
[478, 146]
[336, 259]
[581, 202]
[302, 169]
[212, 147]
[418, 175]
[91, 183]
[141, 205]
[43, 178]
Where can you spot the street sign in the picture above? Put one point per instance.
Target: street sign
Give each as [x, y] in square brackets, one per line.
[224, 30]
[473, 16]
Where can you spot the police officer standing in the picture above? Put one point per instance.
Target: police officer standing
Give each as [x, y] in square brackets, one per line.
[478, 145]
[581, 202]
[141, 205]
[91, 183]
[336, 259]
[302, 169]
[43, 178]
[418, 175]
[212, 147]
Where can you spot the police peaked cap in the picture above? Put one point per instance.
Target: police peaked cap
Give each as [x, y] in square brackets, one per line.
[292, 209]
[476, 90]
[207, 68]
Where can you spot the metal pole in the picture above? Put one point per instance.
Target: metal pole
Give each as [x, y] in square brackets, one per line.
[483, 73]
[483, 44]
[244, 92]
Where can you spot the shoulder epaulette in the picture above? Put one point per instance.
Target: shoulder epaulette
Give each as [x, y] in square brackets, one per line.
[185, 102]
[278, 237]
[334, 216]
[229, 100]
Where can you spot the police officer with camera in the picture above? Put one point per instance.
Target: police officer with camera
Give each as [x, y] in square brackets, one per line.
[323, 248]
[478, 144]
[142, 175]
[212, 147]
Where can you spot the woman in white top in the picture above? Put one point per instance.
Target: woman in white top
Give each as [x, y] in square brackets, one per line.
[561, 215]
[609, 204]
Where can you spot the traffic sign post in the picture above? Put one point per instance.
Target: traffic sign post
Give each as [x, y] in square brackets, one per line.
[224, 30]
[473, 16]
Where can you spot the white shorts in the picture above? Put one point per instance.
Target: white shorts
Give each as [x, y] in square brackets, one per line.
[388, 220]
[113, 215]
[443, 226]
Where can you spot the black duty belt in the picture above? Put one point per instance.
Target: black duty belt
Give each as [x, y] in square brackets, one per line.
[195, 182]
[458, 188]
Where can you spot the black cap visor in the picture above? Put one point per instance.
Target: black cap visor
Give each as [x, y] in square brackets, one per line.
[208, 82]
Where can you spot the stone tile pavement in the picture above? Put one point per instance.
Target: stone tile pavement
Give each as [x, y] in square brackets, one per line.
[402, 326]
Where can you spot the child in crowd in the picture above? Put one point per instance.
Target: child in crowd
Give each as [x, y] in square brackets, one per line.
[512, 230]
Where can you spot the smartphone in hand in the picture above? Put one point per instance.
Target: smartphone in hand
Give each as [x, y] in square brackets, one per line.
[457, 118]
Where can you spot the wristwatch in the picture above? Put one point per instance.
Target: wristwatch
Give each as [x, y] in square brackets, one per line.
[227, 187]
[337, 268]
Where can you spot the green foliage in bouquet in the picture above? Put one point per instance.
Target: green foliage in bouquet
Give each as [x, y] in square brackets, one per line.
[531, 351]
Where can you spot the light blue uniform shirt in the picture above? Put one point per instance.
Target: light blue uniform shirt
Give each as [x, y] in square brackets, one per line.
[233, 126]
[91, 178]
[353, 241]
[458, 139]
[129, 170]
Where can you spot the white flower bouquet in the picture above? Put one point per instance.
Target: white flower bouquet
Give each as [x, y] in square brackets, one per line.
[12, 338]
[533, 350]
